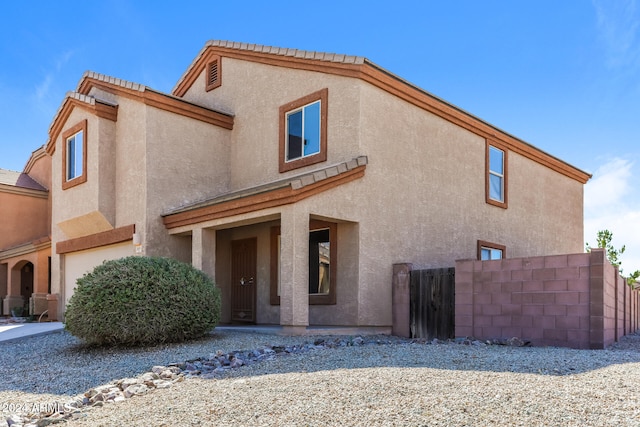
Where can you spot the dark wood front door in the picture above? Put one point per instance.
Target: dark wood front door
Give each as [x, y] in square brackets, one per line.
[26, 282]
[243, 280]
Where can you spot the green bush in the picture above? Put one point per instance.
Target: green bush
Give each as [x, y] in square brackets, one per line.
[142, 300]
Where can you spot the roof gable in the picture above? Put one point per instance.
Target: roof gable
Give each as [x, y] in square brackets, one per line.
[153, 98]
[363, 69]
[73, 100]
[81, 98]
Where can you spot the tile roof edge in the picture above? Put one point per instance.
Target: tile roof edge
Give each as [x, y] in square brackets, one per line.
[271, 50]
[127, 84]
[295, 182]
[87, 99]
[285, 51]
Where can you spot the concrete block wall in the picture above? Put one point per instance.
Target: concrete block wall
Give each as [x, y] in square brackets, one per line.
[575, 300]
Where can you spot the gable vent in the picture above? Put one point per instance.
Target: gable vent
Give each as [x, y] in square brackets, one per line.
[213, 74]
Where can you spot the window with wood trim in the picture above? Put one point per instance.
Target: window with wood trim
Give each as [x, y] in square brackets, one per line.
[496, 175]
[214, 73]
[74, 155]
[303, 131]
[491, 251]
[322, 263]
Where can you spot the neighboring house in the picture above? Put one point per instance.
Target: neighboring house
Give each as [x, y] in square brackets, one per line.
[25, 228]
[296, 180]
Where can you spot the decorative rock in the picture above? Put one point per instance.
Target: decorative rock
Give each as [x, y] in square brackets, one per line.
[217, 365]
[126, 382]
[98, 397]
[158, 369]
[135, 389]
[14, 420]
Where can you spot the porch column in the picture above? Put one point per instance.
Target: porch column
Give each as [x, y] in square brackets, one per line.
[203, 250]
[294, 269]
[14, 297]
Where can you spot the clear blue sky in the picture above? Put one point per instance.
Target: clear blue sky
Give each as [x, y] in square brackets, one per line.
[561, 75]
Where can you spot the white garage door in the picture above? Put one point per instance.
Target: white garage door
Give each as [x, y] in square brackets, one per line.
[76, 264]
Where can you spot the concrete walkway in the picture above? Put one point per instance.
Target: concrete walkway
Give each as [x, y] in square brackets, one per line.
[16, 331]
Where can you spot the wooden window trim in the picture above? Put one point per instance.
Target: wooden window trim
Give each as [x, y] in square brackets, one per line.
[322, 96]
[104, 238]
[489, 200]
[80, 179]
[490, 245]
[213, 82]
[329, 299]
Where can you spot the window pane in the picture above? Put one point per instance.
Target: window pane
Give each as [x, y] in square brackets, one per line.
[279, 267]
[294, 135]
[319, 256]
[487, 254]
[324, 270]
[496, 160]
[495, 187]
[74, 156]
[78, 151]
[312, 129]
[71, 155]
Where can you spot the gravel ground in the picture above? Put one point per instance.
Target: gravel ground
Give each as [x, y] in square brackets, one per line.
[391, 384]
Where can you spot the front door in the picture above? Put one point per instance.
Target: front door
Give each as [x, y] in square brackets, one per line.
[243, 280]
[26, 282]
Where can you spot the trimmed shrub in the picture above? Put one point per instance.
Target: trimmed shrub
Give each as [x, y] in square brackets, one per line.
[142, 300]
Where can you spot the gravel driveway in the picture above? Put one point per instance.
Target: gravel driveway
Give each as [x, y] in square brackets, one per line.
[397, 383]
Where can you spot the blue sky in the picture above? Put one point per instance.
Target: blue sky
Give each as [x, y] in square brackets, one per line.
[561, 75]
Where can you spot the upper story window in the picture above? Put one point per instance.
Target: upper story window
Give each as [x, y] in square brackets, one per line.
[490, 251]
[74, 155]
[496, 176]
[303, 131]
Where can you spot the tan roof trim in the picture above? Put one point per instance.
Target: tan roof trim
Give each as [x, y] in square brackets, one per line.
[268, 196]
[41, 194]
[154, 98]
[99, 108]
[110, 237]
[361, 68]
[26, 248]
[35, 156]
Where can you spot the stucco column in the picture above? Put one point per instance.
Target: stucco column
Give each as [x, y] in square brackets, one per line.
[13, 298]
[203, 250]
[294, 269]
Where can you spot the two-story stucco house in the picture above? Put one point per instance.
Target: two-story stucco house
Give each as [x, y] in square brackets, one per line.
[25, 227]
[296, 180]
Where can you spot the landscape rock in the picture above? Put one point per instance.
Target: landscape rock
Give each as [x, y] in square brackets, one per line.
[217, 365]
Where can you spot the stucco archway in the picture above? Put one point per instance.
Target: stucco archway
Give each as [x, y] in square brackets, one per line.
[21, 285]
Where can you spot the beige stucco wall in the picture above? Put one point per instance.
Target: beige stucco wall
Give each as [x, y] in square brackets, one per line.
[187, 160]
[79, 263]
[254, 93]
[422, 199]
[97, 193]
[23, 218]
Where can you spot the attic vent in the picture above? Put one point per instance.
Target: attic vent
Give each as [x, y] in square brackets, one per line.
[213, 74]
